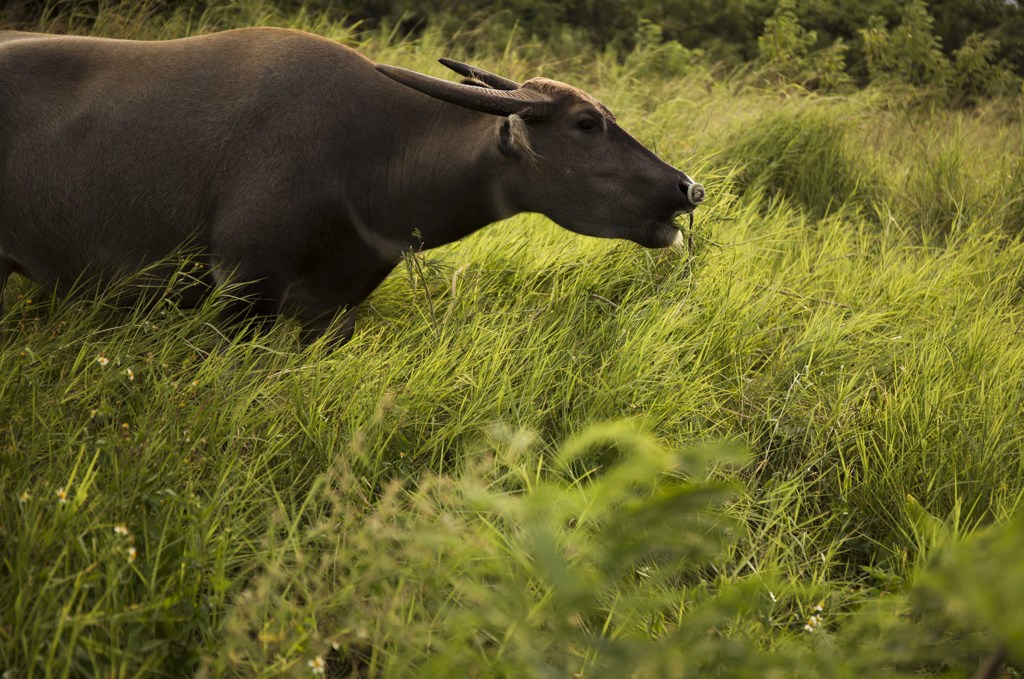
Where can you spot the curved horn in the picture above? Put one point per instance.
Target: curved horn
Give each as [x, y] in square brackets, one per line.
[486, 77]
[496, 102]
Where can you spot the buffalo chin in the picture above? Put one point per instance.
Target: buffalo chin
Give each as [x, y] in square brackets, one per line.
[658, 235]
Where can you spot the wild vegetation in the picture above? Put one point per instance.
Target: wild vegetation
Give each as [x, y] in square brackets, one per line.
[791, 447]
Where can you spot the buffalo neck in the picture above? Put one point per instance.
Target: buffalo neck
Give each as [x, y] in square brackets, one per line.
[437, 177]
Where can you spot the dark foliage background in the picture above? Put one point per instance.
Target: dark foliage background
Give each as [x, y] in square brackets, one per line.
[727, 30]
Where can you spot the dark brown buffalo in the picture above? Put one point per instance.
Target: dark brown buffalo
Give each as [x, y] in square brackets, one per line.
[294, 163]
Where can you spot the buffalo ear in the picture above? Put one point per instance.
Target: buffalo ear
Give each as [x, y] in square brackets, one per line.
[514, 139]
[507, 142]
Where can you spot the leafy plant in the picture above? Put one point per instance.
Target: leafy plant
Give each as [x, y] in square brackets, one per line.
[976, 73]
[908, 53]
[787, 53]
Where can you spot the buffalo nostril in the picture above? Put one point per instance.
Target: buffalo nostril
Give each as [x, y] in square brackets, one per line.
[695, 194]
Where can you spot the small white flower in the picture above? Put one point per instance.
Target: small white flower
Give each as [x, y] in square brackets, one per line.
[102, 360]
[62, 495]
[121, 529]
[130, 373]
[132, 554]
[316, 665]
[813, 623]
[24, 497]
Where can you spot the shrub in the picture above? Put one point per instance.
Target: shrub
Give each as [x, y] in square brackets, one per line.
[657, 57]
[519, 566]
[909, 53]
[976, 74]
[787, 55]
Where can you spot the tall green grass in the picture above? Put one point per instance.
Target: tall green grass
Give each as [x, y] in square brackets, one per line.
[545, 455]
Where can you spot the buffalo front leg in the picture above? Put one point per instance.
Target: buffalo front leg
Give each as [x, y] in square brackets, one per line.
[322, 314]
[337, 328]
[249, 315]
[252, 300]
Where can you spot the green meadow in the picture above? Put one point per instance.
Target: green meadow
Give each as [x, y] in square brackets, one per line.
[789, 447]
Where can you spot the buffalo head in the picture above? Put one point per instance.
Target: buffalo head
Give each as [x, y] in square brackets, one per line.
[572, 162]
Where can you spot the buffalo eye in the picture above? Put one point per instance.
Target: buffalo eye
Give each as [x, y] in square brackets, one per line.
[587, 125]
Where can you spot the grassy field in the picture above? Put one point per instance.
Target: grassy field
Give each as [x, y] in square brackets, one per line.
[791, 448]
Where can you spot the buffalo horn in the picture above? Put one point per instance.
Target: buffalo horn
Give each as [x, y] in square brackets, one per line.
[486, 77]
[496, 102]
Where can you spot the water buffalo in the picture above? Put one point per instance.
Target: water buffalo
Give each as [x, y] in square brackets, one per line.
[294, 163]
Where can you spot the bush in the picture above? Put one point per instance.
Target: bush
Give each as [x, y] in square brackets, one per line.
[907, 54]
[657, 57]
[976, 74]
[520, 566]
[787, 55]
